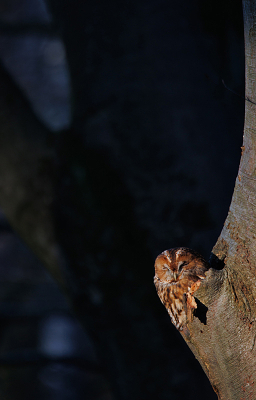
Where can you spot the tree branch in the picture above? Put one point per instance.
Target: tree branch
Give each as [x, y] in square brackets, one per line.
[225, 346]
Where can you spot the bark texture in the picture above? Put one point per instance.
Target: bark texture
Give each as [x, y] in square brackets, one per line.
[226, 344]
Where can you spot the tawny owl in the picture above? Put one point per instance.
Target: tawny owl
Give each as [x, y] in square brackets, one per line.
[178, 274]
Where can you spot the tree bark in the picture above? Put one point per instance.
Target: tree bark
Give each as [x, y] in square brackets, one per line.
[225, 344]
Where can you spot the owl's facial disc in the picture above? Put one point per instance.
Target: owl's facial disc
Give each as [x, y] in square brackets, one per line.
[163, 270]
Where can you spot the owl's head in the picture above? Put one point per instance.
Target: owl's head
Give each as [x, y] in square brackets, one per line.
[174, 264]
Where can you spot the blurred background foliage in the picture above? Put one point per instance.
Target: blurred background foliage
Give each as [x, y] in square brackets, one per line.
[118, 139]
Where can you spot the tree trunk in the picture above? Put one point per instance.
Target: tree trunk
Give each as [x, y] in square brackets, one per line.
[225, 344]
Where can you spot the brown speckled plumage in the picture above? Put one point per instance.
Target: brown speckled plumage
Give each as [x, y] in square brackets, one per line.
[178, 274]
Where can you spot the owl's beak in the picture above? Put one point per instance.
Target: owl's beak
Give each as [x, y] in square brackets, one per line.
[175, 275]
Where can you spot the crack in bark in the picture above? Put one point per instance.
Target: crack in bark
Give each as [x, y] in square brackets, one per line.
[254, 339]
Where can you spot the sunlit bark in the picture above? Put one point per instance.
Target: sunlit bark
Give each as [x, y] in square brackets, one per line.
[225, 344]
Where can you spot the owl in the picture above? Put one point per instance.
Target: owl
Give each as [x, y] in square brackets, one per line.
[178, 274]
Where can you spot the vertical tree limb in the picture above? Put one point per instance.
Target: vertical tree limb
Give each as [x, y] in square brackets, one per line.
[225, 345]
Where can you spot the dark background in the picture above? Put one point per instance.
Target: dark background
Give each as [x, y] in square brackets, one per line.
[131, 94]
